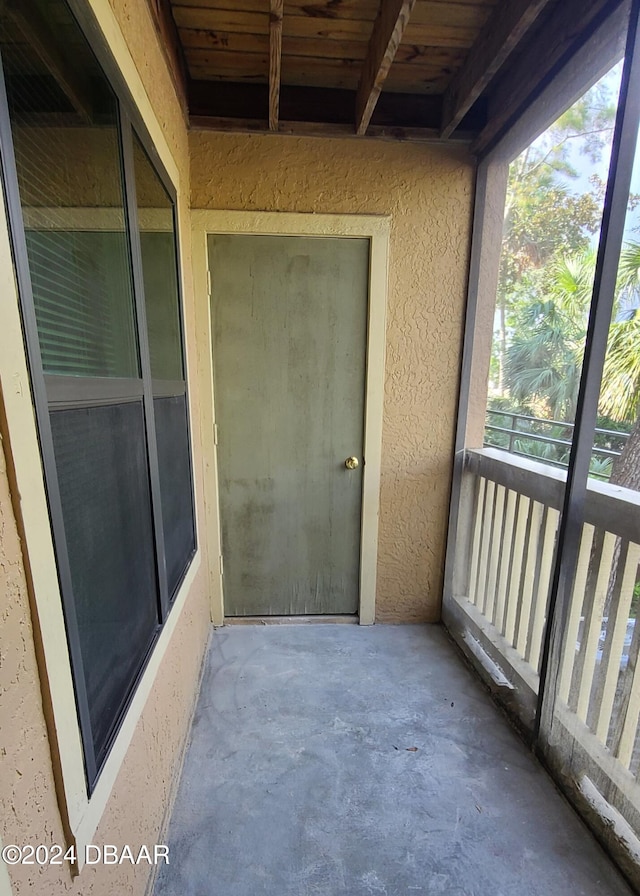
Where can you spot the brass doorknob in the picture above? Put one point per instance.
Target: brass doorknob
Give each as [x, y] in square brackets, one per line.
[351, 463]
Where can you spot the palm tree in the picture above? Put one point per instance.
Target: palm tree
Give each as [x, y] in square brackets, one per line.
[620, 393]
[544, 358]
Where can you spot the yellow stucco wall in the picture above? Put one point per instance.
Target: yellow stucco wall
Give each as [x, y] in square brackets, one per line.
[428, 193]
[29, 806]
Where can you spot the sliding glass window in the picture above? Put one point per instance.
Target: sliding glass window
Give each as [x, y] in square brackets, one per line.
[110, 391]
[160, 274]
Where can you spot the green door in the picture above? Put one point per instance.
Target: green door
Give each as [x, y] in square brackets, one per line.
[289, 323]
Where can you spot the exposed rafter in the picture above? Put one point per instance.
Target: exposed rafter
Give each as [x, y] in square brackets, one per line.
[385, 38]
[502, 33]
[37, 31]
[275, 61]
[315, 129]
[318, 109]
[570, 23]
[465, 69]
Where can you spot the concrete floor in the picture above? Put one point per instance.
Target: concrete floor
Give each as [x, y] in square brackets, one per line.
[334, 759]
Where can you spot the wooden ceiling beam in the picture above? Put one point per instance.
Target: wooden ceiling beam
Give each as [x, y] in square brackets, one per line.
[387, 33]
[221, 23]
[321, 129]
[43, 42]
[570, 24]
[316, 105]
[500, 36]
[276, 12]
[167, 30]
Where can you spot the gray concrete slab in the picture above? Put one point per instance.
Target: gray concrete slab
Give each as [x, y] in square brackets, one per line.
[344, 760]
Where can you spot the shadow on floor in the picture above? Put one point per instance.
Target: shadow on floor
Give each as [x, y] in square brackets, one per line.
[347, 760]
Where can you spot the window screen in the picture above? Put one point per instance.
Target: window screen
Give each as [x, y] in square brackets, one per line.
[101, 459]
[175, 477]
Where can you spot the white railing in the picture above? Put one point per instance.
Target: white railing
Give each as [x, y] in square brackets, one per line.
[508, 525]
[511, 563]
[507, 529]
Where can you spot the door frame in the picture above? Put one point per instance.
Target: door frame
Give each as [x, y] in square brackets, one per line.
[375, 228]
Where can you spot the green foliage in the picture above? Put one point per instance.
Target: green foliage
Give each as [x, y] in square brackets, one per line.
[608, 437]
[600, 468]
[612, 426]
[543, 214]
[554, 440]
[539, 450]
[621, 378]
[546, 278]
[540, 223]
[546, 219]
[544, 292]
[544, 357]
[504, 414]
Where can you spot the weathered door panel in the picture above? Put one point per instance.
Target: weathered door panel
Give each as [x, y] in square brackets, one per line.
[289, 323]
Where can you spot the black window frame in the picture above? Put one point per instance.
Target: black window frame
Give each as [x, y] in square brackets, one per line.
[130, 124]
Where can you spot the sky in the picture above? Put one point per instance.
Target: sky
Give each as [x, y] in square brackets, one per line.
[586, 167]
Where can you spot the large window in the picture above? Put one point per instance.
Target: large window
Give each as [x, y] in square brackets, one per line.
[95, 247]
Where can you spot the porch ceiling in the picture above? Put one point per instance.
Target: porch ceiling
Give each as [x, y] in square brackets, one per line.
[411, 69]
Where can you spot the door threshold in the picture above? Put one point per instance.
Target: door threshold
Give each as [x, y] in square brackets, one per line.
[290, 620]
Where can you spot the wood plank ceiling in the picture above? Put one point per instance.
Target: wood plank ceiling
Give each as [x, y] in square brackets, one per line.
[389, 68]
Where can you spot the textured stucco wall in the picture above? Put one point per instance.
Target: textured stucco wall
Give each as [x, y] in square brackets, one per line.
[29, 811]
[27, 798]
[428, 193]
